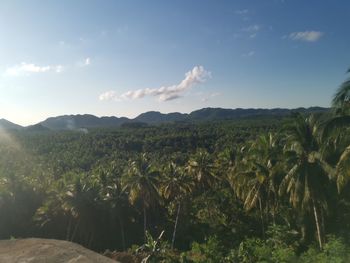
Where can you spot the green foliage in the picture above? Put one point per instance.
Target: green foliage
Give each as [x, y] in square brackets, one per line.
[212, 251]
[335, 251]
[278, 247]
[155, 250]
[223, 191]
[341, 99]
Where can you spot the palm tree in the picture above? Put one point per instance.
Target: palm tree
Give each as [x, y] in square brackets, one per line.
[336, 151]
[341, 99]
[256, 179]
[113, 194]
[175, 186]
[306, 180]
[226, 162]
[341, 109]
[342, 169]
[140, 181]
[340, 124]
[201, 166]
[76, 196]
[83, 198]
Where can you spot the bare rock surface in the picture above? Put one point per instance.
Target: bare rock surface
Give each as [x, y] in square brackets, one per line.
[35, 250]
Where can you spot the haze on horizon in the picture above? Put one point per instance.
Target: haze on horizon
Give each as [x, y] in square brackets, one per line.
[122, 58]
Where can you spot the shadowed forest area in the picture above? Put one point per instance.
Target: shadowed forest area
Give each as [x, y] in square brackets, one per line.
[251, 190]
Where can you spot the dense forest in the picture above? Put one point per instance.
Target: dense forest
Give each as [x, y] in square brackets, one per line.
[271, 189]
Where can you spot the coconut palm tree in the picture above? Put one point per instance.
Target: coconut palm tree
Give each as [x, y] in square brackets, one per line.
[76, 196]
[340, 124]
[256, 180]
[114, 196]
[335, 134]
[341, 109]
[306, 180]
[341, 99]
[175, 186]
[84, 200]
[265, 154]
[226, 162]
[342, 169]
[202, 167]
[140, 181]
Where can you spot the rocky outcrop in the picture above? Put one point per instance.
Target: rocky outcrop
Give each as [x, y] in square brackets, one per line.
[35, 250]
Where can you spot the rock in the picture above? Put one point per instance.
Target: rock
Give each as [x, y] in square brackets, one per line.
[35, 250]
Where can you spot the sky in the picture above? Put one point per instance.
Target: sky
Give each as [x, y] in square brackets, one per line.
[125, 57]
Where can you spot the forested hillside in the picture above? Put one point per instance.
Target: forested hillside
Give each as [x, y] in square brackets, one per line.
[87, 121]
[269, 189]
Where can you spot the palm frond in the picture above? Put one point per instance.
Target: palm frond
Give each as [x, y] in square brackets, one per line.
[335, 124]
[343, 169]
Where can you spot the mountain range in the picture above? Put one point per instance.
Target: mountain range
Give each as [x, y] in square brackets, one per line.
[5, 124]
[86, 121]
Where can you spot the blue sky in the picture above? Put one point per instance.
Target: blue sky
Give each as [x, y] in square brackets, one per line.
[123, 58]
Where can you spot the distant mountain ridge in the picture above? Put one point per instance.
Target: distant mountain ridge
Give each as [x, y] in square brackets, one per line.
[157, 117]
[71, 122]
[227, 114]
[86, 121]
[7, 125]
[68, 122]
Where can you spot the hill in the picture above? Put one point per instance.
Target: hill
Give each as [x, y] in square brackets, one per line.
[208, 114]
[152, 117]
[36, 128]
[7, 125]
[75, 122]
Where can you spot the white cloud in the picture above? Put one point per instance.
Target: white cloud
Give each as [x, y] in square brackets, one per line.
[215, 94]
[25, 69]
[87, 62]
[59, 68]
[252, 35]
[244, 14]
[251, 29]
[249, 54]
[196, 76]
[308, 36]
[108, 95]
[84, 62]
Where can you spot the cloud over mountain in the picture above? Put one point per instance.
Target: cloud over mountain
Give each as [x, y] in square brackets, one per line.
[165, 93]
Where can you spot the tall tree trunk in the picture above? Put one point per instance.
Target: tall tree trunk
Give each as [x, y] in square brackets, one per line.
[318, 227]
[75, 230]
[323, 228]
[267, 212]
[144, 222]
[175, 227]
[303, 232]
[274, 214]
[121, 224]
[69, 228]
[262, 219]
